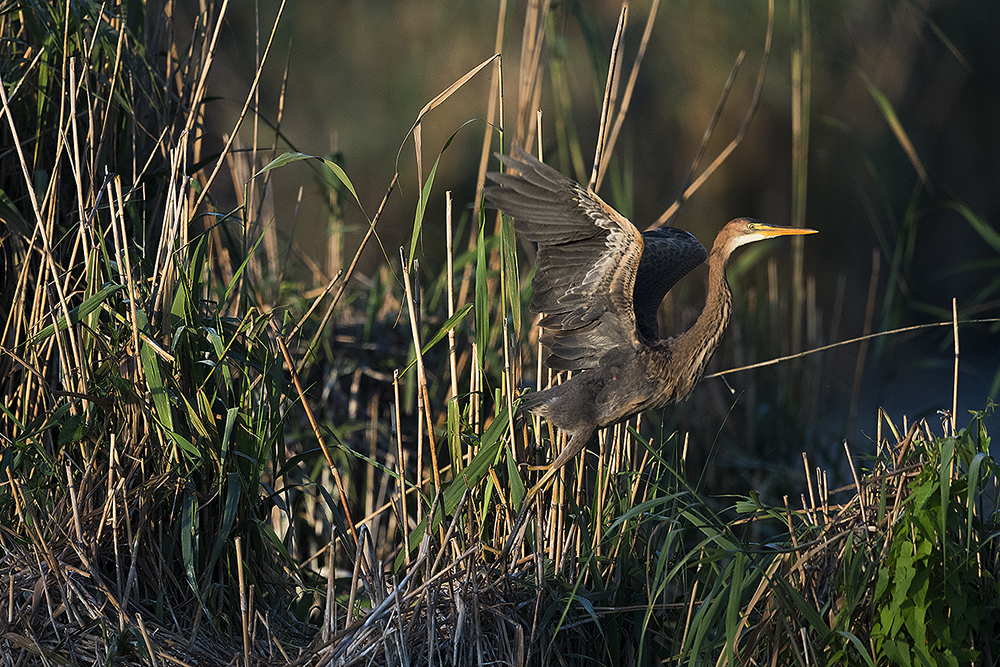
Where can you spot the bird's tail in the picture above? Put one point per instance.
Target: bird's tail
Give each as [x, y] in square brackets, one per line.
[531, 401]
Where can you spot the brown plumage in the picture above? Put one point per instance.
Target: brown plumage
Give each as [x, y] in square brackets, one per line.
[598, 285]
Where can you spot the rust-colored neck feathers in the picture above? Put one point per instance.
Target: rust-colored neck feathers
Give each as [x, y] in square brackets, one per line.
[693, 349]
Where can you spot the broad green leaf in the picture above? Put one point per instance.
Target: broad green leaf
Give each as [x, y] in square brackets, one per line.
[154, 379]
[88, 306]
[288, 158]
[487, 456]
[276, 542]
[508, 246]
[418, 218]
[808, 611]
[977, 462]
[735, 603]
[189, 539]
[233, 493]
[862, 651]
[450, 324]
[425, 193]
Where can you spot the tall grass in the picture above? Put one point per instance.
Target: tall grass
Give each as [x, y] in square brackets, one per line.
[205, 460]
[143, 388]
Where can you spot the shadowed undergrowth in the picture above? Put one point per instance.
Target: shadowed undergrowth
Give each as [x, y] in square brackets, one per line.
[207, 460]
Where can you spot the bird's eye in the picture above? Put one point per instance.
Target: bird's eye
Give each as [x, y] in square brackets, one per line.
[751, 226]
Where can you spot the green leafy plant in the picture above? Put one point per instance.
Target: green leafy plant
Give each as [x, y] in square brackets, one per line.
[933, 591]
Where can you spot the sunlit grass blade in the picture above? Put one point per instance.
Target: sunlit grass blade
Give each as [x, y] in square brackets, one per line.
[290, 157]
[77, 314]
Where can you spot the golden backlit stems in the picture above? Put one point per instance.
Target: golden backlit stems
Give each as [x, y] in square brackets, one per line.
[244, 615]
[691, 604]
[40, 226]
[857, 484]
[123, 259]
[475, 387]
[496, 92]
[76, 512]
[538, 132]
[176, 213]
[453, 436]
[954, 387]
[610, 95]
[246, 105]
[75, 162]
[529, 81]
[809, 485]
[626, 96]
[401, 463]
[145, 639]
[423, 399]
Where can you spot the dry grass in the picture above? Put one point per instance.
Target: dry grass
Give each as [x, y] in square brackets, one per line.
[194, 475]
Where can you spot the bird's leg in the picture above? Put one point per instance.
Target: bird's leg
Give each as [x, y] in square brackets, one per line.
[575, 444]
[579, 440]
[517, 530]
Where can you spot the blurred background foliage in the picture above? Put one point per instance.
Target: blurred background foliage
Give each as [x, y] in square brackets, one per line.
[901, 180]
[356, 73]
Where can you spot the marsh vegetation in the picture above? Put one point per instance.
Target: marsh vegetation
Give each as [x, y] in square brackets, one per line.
[226, 442]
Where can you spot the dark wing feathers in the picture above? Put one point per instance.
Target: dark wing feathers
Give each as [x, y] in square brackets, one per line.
[670, 255]
[587, 261]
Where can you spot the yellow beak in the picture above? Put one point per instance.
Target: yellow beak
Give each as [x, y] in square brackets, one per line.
[767, 230]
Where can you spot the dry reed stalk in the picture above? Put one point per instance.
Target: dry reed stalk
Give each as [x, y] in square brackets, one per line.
[401, 464]
[227, 148]
[476, 388]
[612, 139]
[954, 386]
[44, 232]
[316, 431]
[492, 107]
[450, 282]
[610, 95]
[441, 97]
[413, 307]
[530, 73]
[738, 139]
[314, 342]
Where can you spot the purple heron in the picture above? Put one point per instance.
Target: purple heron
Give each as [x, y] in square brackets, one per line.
[598, 284]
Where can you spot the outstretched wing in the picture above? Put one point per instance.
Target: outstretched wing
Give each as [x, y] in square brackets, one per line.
[587, 259]
[669, 255]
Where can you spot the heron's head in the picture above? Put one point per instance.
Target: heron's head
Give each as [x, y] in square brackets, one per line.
[747, 230]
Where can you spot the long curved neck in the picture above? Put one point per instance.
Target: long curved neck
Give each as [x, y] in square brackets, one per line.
[693, 349]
